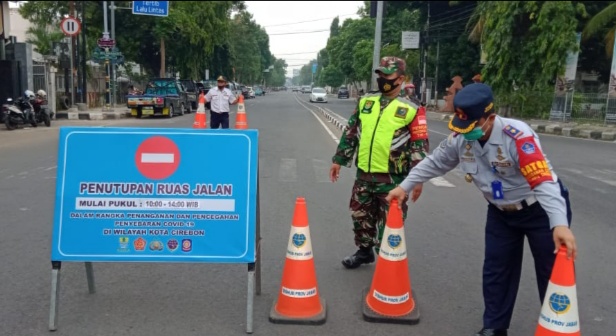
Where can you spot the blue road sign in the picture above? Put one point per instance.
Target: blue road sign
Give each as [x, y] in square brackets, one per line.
[153, 8]
[314, 68]
[156, 195]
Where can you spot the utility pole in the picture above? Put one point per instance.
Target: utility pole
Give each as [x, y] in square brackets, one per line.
[113, 65]
[72, 14]
[162, 58]
[106, 35]
[438, 48]
[84, 76]
[376, 57]
[424, 84]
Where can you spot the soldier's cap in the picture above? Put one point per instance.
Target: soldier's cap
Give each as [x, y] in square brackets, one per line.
[470, 104]
[221, 79]
[390, 65]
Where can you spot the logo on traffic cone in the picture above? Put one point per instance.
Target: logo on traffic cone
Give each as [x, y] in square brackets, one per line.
[200, 118]
[240, 120]
[559, 313]
[390, 298]
[298, 299]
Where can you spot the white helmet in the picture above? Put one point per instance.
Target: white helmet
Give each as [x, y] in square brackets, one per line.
[41, 93]
[29, 94]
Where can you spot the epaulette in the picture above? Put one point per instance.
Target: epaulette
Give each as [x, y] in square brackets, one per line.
[512, 132]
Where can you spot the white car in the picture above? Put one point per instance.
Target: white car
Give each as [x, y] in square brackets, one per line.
[251, 92]
[318, 95]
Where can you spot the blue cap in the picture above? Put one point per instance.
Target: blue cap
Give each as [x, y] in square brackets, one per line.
[470, 105]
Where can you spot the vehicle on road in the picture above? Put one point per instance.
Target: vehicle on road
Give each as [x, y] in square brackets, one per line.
[259, 91]
[343, 92]
[318, 94]
[251, 92]
[17, 113]
[162, 97]
[305, 89]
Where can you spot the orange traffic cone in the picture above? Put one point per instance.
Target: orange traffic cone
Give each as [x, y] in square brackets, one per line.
[298, 299]
[559, 314]
[240, 120]
[200, 118]
[390, 298]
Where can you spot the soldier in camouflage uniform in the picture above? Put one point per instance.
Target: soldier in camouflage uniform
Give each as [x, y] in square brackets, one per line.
[390, 137]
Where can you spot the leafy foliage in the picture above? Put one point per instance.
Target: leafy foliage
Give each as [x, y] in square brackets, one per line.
[198, 35]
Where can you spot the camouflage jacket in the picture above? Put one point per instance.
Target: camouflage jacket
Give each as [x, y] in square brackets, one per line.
[401, 159]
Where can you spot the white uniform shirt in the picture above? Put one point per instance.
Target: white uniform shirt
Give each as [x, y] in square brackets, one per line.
[220, 100]
[512, 155]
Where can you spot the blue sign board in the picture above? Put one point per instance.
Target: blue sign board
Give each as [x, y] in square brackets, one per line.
[153, 8]
[160, 195]
[314, 68]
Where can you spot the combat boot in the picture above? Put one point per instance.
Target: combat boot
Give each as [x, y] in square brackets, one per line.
[492, 332]
[364, 255]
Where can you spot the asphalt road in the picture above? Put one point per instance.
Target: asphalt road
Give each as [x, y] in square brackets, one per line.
[444, 236]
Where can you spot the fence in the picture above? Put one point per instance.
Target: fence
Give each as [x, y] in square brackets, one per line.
[569, 106]
[39, 77]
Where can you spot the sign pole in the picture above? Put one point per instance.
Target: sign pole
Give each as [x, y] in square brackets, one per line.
[55, 294]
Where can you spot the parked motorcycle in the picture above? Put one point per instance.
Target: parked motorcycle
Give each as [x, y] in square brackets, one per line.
[42, 112]
[18, 113]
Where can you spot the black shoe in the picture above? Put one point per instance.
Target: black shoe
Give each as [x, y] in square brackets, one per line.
[492, 332]
[364, 255]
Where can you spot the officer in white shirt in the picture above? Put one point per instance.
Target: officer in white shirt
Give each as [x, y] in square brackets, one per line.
[220, 98]
[504, 159]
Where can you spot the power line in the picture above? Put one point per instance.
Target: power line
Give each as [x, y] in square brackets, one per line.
[294, 23]
[304, 32]
[460, 12]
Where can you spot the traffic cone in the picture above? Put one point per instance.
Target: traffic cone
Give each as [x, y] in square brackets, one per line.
[240, 120]
[390, 298]
[200, 118]
[298, 299]
[559, 313]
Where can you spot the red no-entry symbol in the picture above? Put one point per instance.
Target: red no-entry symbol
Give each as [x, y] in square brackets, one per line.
[157, 158]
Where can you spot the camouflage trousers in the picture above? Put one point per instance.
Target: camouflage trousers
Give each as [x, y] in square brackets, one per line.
[369, 209]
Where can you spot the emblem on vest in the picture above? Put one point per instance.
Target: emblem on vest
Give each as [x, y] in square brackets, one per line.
[367, 107]
[401, 112]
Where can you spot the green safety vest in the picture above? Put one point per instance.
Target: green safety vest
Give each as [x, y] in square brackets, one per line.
[377, 131]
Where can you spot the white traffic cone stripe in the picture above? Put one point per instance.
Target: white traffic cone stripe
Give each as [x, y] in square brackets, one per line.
[201, 108]
[299, 293]
[393, 246]
[240, 107]
[560, 309]
[300, 244]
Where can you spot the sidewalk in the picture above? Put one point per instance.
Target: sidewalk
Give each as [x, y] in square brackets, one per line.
[567, 129]
[119, 112]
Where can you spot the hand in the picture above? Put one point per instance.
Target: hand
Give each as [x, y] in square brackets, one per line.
[399, 194]
[564, 236]
[416, 192]
[334, 172]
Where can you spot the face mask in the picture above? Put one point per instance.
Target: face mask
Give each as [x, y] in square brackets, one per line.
[476, 134]
[386, 85]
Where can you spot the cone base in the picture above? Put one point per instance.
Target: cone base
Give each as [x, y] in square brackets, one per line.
[317, 319]
[372, 316]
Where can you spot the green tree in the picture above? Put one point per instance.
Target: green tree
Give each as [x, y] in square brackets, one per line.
[331, 76]
[527, 43]
[42, 38]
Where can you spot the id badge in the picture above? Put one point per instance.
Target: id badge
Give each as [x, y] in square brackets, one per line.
[497, 190]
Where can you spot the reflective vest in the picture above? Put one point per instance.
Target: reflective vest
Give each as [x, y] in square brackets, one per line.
[377, 131]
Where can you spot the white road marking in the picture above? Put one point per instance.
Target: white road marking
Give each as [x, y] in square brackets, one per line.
[321, 170]
[320, 121]
[441, 182]
[288, 170]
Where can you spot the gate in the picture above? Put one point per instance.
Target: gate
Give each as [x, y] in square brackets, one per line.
[39, 77]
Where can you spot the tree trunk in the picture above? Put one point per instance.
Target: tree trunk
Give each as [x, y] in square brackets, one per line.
[162, 58]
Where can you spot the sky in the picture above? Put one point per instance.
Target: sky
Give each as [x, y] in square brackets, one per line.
[287, 17]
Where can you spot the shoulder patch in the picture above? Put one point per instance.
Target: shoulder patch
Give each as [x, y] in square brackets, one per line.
[512, 132]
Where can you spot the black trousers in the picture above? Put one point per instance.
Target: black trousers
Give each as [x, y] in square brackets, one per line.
[504, 249]
[219, 119]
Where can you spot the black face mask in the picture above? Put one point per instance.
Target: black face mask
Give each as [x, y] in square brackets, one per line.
[386, 85]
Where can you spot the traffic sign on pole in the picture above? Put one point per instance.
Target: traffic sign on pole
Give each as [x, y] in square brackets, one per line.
[70, 26]
[152, 8]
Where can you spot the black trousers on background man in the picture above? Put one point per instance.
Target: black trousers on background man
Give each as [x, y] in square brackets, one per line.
[219, 119]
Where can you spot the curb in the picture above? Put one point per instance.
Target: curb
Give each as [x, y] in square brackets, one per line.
[332, 120]
[92, 115]
[553, 129]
